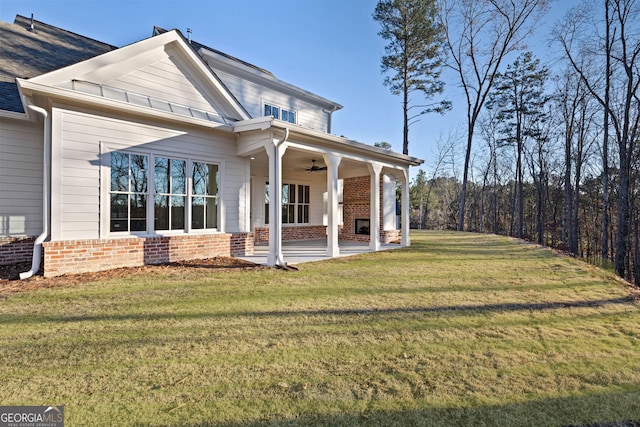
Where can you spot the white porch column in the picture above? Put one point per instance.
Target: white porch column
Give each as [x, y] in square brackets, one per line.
[374, 206]
[275, 152]
[333, 162]
[404, 213]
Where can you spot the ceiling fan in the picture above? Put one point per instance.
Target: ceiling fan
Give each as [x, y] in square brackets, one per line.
[315, 168]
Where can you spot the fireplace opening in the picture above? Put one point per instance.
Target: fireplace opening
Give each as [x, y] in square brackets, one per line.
[362, 226]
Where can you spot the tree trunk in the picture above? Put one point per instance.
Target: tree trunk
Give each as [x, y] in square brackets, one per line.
[567, 206]
[622, 236]
[575, 221]
[605, 142]
[636, 258]
[463, 192]
[519, 192]
[405, 128]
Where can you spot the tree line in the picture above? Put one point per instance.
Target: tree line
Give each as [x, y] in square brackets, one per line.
[550, 152]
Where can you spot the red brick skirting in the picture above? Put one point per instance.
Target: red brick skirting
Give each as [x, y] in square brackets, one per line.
[15, 249]
[81, 256]
[302, 232]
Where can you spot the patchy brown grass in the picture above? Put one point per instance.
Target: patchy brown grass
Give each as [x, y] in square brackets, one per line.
[458, 330]
[10, 282]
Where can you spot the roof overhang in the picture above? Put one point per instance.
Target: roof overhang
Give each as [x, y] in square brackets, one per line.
[13, 115]
[326, 140]
[31, 89]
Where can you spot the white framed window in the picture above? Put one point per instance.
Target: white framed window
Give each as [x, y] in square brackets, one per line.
[183, 194]
[280, 113]
[204, 198]
[128, 193]
[295, 203]
[170, 192]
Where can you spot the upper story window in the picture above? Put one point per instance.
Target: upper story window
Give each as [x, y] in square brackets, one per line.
[280, 113]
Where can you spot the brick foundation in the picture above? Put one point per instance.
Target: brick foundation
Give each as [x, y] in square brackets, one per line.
[81, 256]
[303, 232]
[15, 249]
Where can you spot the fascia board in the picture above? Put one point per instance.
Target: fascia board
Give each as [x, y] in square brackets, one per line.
[351, 145]
[28, 88]
[259, 123]
[323, 139]
[13, 115]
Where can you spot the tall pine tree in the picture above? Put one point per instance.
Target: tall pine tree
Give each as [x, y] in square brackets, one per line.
[518, 97]
[413, 57]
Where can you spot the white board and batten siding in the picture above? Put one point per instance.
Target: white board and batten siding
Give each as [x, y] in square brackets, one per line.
[83, 143]
[253, 96]
[21, 164]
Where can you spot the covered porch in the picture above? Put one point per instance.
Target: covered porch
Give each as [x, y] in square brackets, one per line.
[310, 186]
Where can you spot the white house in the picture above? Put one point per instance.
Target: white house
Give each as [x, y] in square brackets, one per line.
[166, 150]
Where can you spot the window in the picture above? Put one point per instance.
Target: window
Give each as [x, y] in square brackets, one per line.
[288, 203]
[270, 110]
[288, 116]
[280, 113]
[169, 184]
[295, 204]
[303, 204]
[170, 193]
[204, 201]
[128, 192]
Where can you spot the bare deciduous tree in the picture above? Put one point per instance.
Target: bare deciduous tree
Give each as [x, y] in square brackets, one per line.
[623, 52]
[479, 35]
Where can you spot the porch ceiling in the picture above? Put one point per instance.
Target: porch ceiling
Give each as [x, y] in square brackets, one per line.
[296, 161]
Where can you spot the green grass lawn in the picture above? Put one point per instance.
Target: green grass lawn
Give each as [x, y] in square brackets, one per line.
[460, 329]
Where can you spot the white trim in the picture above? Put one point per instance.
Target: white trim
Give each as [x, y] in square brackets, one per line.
[5, 114]
[374, 205]
[57, 118]
[323, 142]
[333, 218]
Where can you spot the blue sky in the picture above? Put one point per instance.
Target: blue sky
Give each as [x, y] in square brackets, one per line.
[329, 47]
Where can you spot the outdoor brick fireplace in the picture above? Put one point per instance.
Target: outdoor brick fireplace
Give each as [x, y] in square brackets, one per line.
[362, 226]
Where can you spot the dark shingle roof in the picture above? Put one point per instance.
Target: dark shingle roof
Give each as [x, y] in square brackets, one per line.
[27, 53]
[197, 46]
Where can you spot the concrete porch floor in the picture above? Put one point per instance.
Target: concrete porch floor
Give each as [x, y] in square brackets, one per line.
[296, 252]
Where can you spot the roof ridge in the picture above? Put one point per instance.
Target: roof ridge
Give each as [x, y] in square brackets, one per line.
[159, 30]
[25, 19]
